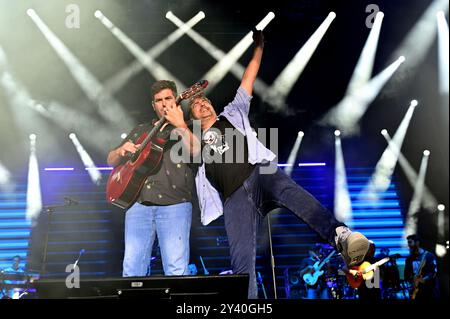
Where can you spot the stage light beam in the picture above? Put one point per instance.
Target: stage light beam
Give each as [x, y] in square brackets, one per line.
[381, 178]
[116, 82]
[108, 107]
[363, 70]
[342, 201]
[415, 204]
[420, 38]
[5, 177]
[293, 154]
[89, 164]
[34, 197]
[237, 70]
[347, 113]
[429, 200]
[443, 53]
[279, 90]
[221, 68]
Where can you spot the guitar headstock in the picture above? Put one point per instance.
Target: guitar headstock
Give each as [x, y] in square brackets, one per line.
[194, 89]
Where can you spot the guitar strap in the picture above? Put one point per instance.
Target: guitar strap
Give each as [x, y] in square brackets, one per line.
[422, 263]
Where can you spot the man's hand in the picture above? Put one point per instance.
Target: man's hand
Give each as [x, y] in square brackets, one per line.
[419, 280]
[174, 115]
[115, 157]
[258, 38]
[126, 148]
[250, 73]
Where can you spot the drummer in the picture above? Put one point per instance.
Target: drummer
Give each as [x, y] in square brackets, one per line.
[15, 268]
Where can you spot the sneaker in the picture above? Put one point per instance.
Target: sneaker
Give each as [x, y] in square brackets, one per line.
[353, 247]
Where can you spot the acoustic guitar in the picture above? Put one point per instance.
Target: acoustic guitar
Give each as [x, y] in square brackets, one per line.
[125, 181]
[365, 271]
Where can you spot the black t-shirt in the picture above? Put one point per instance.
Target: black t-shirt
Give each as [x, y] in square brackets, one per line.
[172, 183]
[428, 271]
[225, 154]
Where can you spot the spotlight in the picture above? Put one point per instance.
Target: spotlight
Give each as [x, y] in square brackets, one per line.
[201, 15]
[31, 12]
[301, 134]
[401, 59]
[414, 103]
[332, 15]
[381, 14]
[440, 14]
[72, 136]
[441, 207]
[169, 15]
[271, 15]
[337, 133]
[32, 137]
[98, 14]
[384, 132]
[123, 135]
[426, 153]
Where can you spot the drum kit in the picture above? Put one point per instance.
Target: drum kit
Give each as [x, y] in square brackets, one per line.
[16, 284]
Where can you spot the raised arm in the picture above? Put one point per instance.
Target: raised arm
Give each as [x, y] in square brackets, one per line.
[249, 77]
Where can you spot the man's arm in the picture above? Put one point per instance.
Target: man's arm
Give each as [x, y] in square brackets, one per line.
[116, 156]
[429, 271]
[174, 115]
[190, 141]
[249, 77]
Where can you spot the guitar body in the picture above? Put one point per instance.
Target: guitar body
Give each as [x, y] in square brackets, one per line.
[417, 278]
[125, 181]
[312, 277]
[357, 276]
[415, 288]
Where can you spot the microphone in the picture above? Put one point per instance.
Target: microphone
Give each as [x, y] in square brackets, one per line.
[78, 259]
[70, 201]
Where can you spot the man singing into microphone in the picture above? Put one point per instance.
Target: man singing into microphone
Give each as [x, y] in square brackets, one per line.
[164, 204]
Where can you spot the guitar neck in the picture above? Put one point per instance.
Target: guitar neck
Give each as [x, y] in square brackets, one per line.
[152, 132]
[326, 259]
[375, 265]
[419, 271]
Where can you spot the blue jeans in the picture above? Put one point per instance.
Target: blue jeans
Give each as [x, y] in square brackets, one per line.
[172, 224]
[250, 203]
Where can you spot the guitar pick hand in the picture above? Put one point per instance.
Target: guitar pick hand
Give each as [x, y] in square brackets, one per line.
[127, 148]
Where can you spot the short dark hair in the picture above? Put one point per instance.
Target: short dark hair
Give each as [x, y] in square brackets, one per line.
[414, 237]
[158, 86]
[200, 95]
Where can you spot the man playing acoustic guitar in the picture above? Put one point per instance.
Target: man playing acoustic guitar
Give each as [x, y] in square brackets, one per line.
[164, 205]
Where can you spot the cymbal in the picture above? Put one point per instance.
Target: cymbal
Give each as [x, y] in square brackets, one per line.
[18, 276]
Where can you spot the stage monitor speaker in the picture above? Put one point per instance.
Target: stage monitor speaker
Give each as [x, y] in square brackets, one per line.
[158, 287]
